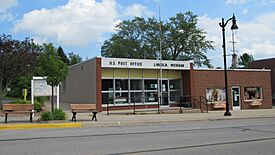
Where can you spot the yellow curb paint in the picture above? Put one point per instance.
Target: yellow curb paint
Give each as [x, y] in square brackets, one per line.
[40, 126]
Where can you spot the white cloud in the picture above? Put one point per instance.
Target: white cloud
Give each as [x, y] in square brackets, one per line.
[5, 6]
[7, 16]
[235, 2]
[77, 23]
[137, 10]
[244, 11]
[265, 2]
[255, 37]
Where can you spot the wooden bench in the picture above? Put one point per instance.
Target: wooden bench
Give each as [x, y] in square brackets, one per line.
[84, 108]
[18, 109]
[218, 106]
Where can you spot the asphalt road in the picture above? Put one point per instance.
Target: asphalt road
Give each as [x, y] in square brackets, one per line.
[219, 137]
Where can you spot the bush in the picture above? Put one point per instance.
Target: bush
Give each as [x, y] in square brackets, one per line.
[46, 116]
[42, 99]
[59, 114]
[37, 106]
[15, 92]
[21, 102]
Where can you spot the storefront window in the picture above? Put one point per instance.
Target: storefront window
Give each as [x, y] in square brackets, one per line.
[175, 84]
[136, 97]
[136, 84]
[121, 84]
[121, 98]
[252, 93]
[107, 97]
[151, 97]
[215, 94]
[151, 84]
[174, 96]
[107, 85]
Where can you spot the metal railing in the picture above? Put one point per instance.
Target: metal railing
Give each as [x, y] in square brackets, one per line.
[180, 101]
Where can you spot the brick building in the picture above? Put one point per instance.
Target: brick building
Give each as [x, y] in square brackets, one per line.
[137, 81]
[267, 64]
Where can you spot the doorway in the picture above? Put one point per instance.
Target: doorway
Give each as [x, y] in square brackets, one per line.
[165, 101]
[236, 97]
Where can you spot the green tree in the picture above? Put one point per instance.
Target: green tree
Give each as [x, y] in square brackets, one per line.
[62, 55]
[52, 67]
[16, 59]
[140, 38]
[74, 58]
[245, 59]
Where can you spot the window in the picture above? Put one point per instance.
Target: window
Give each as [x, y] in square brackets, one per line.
[215, 94]
[252, 93]
[174, 96]
[151, 97]
[151, 84]
[121, 84]
[107, 85]
[107, 97]
[175, 84]
[136, 84]
[136, 97]
[121, 98]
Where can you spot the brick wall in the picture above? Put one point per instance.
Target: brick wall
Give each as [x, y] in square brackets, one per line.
[267, 64]
[204, 79]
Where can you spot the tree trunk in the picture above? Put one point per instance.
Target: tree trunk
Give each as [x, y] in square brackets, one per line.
[52, 100]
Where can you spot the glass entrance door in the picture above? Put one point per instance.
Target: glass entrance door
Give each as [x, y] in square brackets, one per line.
[164, 100]
[236, 97]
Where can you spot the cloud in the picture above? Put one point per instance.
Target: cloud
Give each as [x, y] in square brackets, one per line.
[137, 10]
[265, 2]
[255, 37]
[5, 6]
[77, 23]
[235, 2]
[244, 11]
[7, 16]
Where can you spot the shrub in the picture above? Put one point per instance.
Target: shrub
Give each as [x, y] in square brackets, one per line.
[59, 114]
[46, 116]
[42, 99]
[15, 92]
[37, 106]
[21, 102]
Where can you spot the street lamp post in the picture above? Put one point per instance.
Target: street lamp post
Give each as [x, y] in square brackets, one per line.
[233, 27]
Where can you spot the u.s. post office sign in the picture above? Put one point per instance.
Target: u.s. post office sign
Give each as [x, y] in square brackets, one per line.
[144, 64]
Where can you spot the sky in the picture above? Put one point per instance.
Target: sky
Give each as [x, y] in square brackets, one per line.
[82, 26]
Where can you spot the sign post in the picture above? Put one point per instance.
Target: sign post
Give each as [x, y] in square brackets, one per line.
[39, 87]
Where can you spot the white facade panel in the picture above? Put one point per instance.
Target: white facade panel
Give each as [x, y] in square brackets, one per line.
[144, 64]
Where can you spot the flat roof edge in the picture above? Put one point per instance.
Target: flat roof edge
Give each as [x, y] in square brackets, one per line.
[85, 61]
[245, 70]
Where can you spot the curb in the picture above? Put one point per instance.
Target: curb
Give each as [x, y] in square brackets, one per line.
[40, 126]
[137, 123]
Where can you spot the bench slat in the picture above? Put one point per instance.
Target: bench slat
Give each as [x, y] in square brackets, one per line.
[83, 106]
[18, 107]
[17, 112]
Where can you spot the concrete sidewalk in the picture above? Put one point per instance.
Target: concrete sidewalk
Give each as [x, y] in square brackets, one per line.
[131, 119]
[125, 118]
